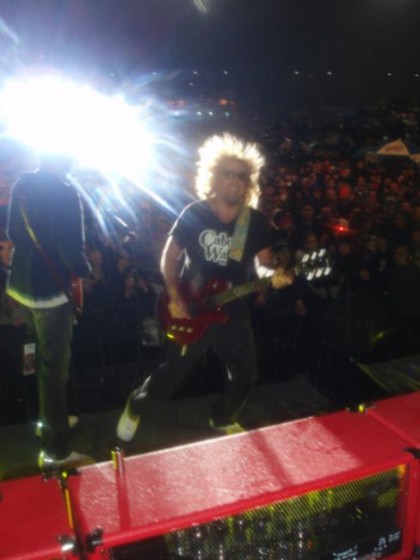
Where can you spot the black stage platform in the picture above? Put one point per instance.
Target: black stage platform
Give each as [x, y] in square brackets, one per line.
[97, 396]
[179, 421]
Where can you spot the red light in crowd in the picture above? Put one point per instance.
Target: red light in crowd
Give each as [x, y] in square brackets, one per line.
[339, 228]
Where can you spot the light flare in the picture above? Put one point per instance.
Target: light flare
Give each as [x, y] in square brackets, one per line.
[202, 5]
[102, 132]
[126, 149]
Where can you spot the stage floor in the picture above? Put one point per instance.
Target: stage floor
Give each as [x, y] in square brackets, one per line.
[177, 422]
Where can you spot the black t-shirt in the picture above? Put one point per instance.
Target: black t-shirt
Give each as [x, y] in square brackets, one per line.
[206, 241]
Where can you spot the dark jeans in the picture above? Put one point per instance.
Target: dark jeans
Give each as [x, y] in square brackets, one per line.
[234, 343]
[11, 344]
[51, 329]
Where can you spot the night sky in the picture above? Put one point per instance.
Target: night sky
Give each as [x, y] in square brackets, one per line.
[262, 42]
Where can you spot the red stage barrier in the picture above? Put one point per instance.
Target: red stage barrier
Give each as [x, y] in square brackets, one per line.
[33, 521]
[341, 486]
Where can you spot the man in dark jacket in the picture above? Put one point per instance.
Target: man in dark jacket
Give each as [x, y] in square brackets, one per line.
[45, 223]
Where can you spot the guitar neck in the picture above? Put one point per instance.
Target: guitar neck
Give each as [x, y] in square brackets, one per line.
[241, 290]
[312, 266]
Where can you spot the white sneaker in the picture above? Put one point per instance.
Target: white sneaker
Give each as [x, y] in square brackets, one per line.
[73, 460]
[127, 424]
[228, 429]
[73, 421]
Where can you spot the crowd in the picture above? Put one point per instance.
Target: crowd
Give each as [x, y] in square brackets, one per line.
[366, 214]
[364, 209]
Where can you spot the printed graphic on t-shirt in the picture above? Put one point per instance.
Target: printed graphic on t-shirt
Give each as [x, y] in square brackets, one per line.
[216, 246]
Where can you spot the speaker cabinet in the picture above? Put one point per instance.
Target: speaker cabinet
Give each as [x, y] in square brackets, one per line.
[401, 415]
[335, 487]
[33, 521]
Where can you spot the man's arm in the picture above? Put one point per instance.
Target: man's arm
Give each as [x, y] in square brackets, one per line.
[265, 268]
[169, 265]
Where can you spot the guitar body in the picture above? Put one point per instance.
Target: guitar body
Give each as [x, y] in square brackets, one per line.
[206, 304]
[204, 313]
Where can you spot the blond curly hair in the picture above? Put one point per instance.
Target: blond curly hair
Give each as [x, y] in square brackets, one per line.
[219, 148]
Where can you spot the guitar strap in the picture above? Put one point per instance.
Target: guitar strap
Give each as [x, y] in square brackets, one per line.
[240, 234]
[51, 267]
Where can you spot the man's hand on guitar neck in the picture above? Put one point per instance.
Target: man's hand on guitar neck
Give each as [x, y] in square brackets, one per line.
[281, 278]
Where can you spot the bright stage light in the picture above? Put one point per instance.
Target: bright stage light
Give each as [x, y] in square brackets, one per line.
[123, 151]
[102, 132]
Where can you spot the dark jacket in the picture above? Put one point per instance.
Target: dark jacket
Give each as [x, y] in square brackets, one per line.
[55, 214]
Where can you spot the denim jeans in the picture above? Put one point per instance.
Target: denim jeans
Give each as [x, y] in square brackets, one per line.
[51, 329]
[234, 343]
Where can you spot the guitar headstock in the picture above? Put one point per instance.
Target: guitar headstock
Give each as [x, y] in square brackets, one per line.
[315, 265]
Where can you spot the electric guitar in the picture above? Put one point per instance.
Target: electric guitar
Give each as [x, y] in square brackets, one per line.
[206, 305]
[77, 294]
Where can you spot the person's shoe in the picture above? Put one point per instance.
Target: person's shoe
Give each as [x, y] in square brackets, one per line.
[127, 424]
[73, 460]
[73, 421]
[228, 429]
